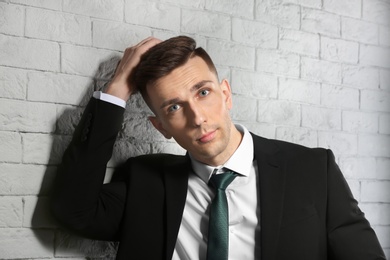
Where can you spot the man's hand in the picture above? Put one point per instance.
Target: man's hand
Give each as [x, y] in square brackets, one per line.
[120, 86]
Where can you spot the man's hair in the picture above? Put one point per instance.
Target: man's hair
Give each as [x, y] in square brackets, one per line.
[163, 58]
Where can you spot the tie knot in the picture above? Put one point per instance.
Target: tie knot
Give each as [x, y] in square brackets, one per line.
[221, 181]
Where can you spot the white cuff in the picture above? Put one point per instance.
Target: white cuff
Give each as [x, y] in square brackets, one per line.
[109, 98]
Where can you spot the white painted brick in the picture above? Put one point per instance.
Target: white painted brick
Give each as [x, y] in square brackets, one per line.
[167, 147]
[299, 42]
[377, 214]
[385, 80]
[68, 119]
[320, 70]
[383, 233]
[44, 148]
[206, 24]
[224, 73]
[302, 136]
[376, 191]
[24, 179]
[354, 186]
[123, 150]
[109, 9]
[283, 14]
[86, 61]
[263, 129]
[136, 125]
[152, 14]
[244, 108]
[68, 245]
[374, 56]
[230, 54]
[358, 167]
[374, 145]
[339, 50]
[59, 88]
[13, 83]
[360, 77]
[374, 100]
[49, 4]
[321, 118]
[360, 122]
[384, 124]
[37, 213]
[342, 144]
[333, 96]
[376, 11]
[57, 26]
[16, 52]
[317, 21]
[277, 62]
[253, 84]
[387, 252]
[299, 90]
[12, 19]
[117, 36]
[198, 4]
[358, 30]
[384, 35]
[18, 243]
[11, 147]
[345, 7]
[235, 8]
[27, 116]
[279, 112]
[382, 170]
[11, 211]
[164, 35]
[257, 33]
[310, 3]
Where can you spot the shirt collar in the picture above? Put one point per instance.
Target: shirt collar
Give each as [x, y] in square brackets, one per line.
[240, 162]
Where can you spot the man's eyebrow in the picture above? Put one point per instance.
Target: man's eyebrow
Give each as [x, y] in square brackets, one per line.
[199, 85]
[194, 88]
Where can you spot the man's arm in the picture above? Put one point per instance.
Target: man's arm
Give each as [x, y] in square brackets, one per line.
[80, 201]
[350, 235]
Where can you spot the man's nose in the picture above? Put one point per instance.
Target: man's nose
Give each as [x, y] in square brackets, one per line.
[197, 114]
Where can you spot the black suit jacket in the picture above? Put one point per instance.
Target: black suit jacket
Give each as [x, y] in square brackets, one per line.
[306, 208]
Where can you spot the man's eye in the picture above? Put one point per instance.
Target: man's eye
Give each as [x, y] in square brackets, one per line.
[174, 108]
[204, 92]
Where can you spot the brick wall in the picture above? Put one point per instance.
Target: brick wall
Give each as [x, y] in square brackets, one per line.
[314, 72]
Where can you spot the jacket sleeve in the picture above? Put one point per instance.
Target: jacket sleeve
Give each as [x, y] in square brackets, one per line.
[350, 235]
[80, 201]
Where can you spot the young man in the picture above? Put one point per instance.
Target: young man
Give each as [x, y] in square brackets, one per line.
[285, 202]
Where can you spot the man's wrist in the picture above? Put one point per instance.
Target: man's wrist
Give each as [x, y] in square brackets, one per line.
[109, 98]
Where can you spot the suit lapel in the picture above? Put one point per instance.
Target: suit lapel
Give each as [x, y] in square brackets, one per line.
[271, 183]
[176, 183]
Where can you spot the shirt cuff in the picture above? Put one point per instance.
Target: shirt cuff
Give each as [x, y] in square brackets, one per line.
[109, 98]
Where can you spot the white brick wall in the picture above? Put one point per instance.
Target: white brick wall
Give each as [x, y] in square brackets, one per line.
[308, 71]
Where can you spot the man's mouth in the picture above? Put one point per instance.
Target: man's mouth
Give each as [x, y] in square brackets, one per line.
[207, 137]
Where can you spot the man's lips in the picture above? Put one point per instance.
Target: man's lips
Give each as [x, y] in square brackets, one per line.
[207, 137]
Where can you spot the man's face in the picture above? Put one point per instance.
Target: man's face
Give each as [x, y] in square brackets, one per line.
[191, 106]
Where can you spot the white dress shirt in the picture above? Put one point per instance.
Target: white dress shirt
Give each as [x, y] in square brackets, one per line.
[241, 195]
[242, 200]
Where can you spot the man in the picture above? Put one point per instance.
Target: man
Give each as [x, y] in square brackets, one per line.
[285, 202]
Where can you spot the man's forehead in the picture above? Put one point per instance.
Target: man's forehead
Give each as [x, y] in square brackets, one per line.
[194, 70]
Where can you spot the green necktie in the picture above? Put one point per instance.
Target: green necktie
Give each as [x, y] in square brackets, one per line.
[218, 242]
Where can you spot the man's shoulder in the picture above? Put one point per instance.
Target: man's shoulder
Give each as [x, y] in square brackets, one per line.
[159, 160]
[286, 147]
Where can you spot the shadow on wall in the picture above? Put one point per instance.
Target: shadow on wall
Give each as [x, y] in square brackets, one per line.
[130, 143]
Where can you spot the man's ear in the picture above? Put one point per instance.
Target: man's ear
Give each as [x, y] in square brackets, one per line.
[226, 90]
[158, 125]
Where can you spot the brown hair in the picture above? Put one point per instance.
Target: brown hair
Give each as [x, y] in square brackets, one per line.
[163, 58]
